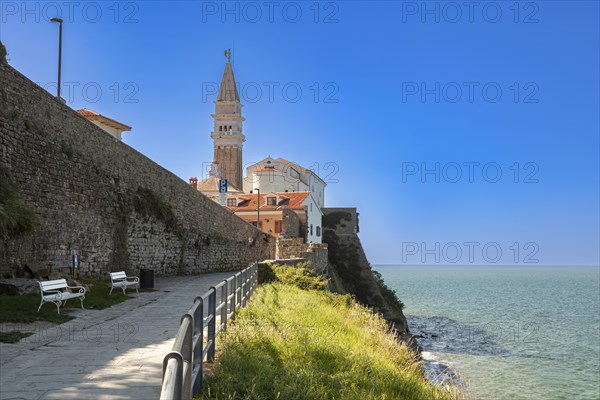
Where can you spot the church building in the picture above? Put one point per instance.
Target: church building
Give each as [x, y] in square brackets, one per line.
[282, 184]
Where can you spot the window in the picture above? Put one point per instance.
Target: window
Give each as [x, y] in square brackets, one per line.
[221, 128]
[271, 201]
[310, 206]
[232, 202]
[311, 229]
[277, 226]
[318, 231]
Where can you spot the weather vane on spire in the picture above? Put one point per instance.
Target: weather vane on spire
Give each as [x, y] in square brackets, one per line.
[228, 55]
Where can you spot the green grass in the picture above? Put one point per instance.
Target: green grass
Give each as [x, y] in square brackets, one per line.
[300, 276]
[13, 337]
[98, 299]
[23, 309]
[290, 343]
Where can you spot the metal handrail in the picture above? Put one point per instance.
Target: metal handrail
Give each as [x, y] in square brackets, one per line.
[183, 366]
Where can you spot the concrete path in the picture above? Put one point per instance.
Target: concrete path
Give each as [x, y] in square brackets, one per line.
[114, 353]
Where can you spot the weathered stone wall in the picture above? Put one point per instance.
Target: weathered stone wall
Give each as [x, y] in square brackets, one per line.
[290, 224]
[290, 247]
[317, 254]
[111, 205]
[296, 248]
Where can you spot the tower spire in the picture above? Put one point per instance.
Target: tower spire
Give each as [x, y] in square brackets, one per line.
[228, 90]
[227, 133]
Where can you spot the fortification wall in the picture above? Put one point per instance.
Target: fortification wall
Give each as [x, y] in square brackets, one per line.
[351, 267]
[99, 198]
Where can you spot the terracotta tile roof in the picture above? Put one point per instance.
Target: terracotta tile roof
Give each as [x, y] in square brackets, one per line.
[291, 200]
[93, 115]
[84, 112]
[211, 184]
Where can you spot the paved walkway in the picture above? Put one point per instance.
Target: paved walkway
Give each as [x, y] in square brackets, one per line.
[114, 353]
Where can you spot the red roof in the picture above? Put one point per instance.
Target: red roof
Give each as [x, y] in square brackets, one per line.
[91, 114]
[291, 200]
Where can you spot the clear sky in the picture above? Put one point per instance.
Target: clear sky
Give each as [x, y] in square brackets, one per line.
[458, 129]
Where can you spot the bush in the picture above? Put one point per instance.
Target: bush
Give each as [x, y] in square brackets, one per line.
[2, 51]
[389, 295]
[16, 217]
[300, 276]
[149, 204]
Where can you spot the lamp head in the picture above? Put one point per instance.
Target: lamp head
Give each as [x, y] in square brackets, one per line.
[59, 20]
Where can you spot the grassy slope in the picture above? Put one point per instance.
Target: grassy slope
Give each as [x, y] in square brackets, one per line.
[297, 344]
[351, 272]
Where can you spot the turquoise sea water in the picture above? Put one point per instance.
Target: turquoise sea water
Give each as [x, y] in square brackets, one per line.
[513, 332]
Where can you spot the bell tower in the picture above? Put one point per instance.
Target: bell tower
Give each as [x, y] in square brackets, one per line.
[227, 132]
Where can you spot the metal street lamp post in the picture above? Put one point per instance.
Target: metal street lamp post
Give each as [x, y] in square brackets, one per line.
[258, 209]
[60, 21]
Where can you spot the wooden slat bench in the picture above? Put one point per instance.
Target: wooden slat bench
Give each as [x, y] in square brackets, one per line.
[58, 292]
[120, 280]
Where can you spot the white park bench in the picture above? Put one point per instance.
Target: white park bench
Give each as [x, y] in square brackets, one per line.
[120, 280]
[58, 292]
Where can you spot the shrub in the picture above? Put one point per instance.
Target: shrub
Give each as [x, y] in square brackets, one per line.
[148, 203]
[389, 295]
[300, 276]
[2, 51]
[16, 217]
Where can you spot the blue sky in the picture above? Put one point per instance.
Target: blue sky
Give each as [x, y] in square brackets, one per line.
[370, 95]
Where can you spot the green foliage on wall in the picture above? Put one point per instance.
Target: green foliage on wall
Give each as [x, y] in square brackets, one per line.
[16, 216]
[331, 220]
[148, 203]
[388, 294]
[2, 51]
[67, 150]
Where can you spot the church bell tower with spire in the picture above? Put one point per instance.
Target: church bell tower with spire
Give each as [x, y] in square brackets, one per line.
[227, 134]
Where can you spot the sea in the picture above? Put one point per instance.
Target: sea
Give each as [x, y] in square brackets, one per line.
[505, 332]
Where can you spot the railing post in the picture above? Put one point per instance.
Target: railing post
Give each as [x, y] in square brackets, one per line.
[238, 289]
[212, 305]
[250, 281]
[188, 344]
[178, 384]
[254, 270]
[187, 351]
[244, 286]
[199, 346]
[234, 297]
[225, 302]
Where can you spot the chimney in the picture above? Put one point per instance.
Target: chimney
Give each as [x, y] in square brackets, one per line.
[194, 182]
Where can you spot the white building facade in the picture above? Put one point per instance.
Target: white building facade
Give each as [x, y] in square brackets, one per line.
[281, 175]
